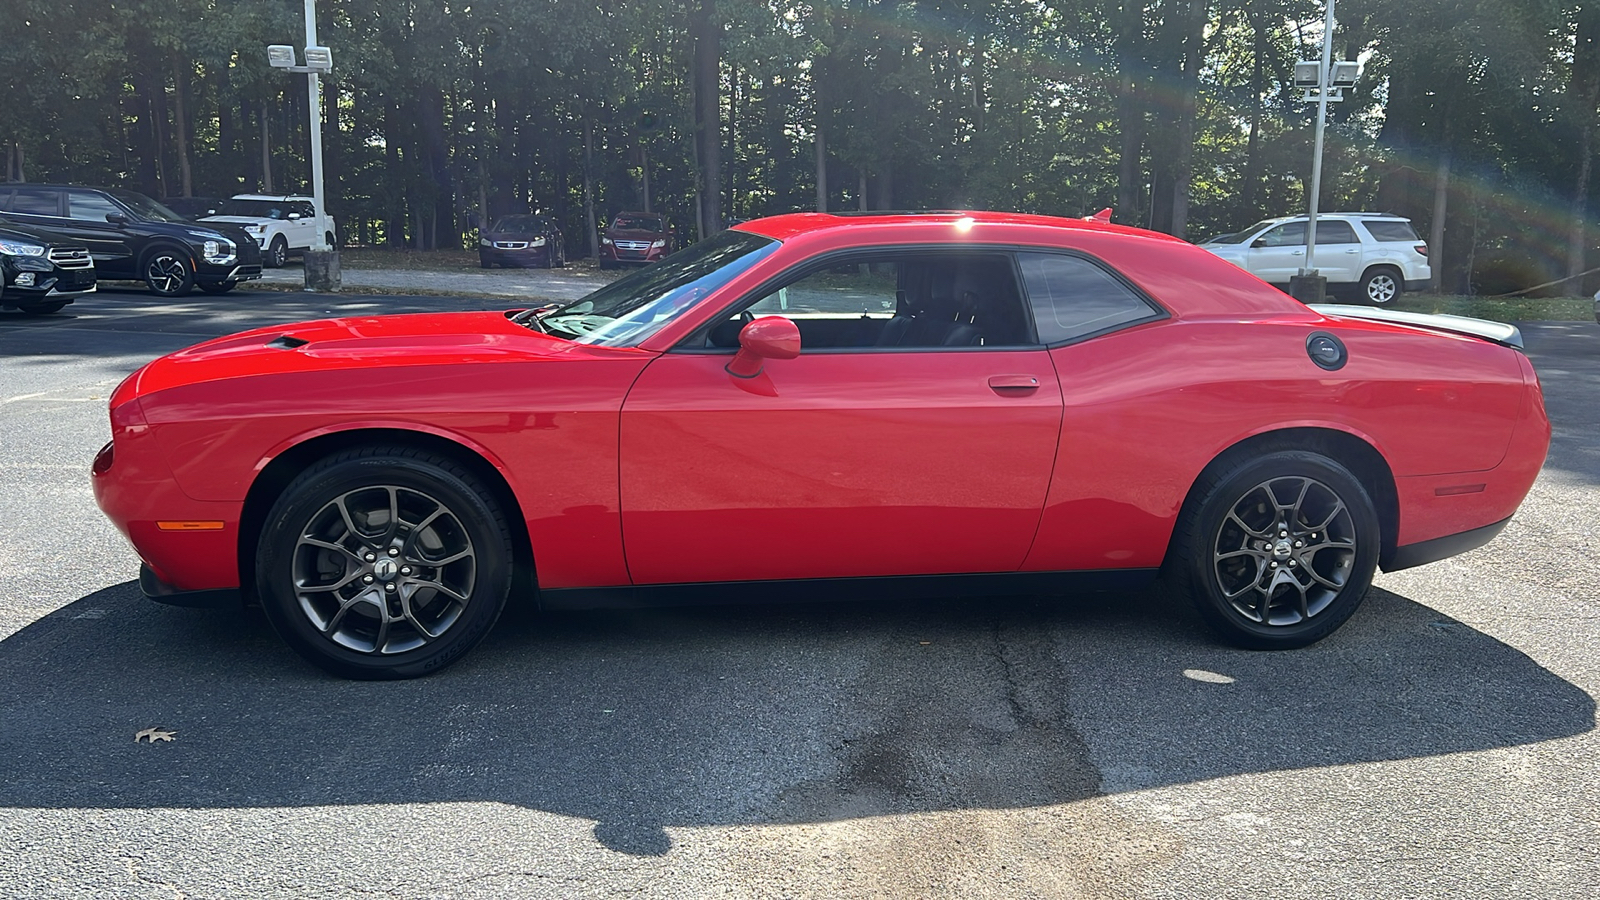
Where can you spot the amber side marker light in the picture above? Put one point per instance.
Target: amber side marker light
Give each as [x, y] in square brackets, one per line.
[189, 526]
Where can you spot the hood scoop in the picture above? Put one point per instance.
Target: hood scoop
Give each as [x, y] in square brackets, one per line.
[287, 342]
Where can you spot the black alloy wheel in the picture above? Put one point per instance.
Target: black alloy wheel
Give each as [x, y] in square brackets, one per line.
[384, 562]
[1280, 550]
[218, 287]
[168, 273]
[276, 254]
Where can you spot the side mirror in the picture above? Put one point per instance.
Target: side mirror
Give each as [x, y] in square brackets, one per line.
[293, 216]
[769, 337]
[1258, 243]
[116, 218]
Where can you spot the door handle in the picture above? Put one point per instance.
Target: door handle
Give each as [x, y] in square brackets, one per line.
[1300, 252]
[1014, 382]
[1352, 250]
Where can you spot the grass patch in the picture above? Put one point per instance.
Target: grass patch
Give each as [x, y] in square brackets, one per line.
[1508, 309]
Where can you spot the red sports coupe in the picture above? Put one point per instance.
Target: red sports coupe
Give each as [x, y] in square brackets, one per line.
[820, 405]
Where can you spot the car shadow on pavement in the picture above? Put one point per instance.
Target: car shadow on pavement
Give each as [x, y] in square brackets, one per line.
[643, 720]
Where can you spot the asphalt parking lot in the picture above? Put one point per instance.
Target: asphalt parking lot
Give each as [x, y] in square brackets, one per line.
[1442, 744]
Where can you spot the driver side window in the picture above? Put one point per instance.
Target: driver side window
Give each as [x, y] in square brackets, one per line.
[1285, 235]
[915, 299]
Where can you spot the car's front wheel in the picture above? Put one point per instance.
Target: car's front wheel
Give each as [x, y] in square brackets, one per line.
[384, 562]
[276, 254]
[1280, 549]
[1381, 285]
[168, 273]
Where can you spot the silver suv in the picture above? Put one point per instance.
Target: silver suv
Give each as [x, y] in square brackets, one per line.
[1378, 254]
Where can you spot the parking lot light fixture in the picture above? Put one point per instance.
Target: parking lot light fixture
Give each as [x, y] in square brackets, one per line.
[322, 260]
[1324, 82]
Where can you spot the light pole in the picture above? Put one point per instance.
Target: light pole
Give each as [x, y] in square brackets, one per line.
[322, 260]
[1324, 82]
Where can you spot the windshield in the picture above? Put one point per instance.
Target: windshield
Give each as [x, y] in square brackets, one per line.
[638, 223]
[520, 225]
[255, 209]
[630, 309]
[145, 208]
[1242, 236]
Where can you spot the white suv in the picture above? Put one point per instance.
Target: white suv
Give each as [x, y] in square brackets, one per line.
[280, 224]
[1377, 253]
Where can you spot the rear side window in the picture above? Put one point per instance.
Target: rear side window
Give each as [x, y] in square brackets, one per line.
[36, 202]
[1073, 298]
[1335, 231]
[1391, 230]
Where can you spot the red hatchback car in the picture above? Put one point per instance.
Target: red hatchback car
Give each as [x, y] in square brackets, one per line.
[815, 405]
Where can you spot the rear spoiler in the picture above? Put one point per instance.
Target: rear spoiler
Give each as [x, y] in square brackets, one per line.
[1498, 332]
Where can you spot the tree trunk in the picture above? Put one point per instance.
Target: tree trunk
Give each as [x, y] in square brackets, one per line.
[146, 137]
[1583, 95]
[861, 190]
[822, 166]
[266, 148]
[1251, 176]
[1130, 111]
[885, 192]
[180, 122]
[394, 225]
[707, 33]
[1189, 79]
[588, 186]
[1441, 200]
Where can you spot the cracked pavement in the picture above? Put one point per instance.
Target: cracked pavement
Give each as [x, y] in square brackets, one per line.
[1442, 743]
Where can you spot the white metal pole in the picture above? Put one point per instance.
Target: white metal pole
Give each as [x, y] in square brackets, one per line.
[314, 87]
[1316, 154]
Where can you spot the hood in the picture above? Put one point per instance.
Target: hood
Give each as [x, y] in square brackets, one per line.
[367, 342]
[238, 220]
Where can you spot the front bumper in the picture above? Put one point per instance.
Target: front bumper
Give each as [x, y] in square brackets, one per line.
[525, 256]
[50, 282]
[614, 254]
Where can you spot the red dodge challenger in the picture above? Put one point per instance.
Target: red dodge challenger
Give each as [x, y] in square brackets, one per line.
[816, 405]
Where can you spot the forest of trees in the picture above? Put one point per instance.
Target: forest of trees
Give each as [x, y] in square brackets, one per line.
[1476, 118]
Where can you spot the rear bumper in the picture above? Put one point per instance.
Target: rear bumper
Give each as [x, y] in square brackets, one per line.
[1417, 284]
[161, 592]
[1424, 552]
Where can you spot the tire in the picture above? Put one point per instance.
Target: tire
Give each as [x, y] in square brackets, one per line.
[167, 272]
[276, 254]
[485, 264]
[375, 513]
[607, 264]
[1381, 285]
[217, 287]
[1270, 558]
[42, 308]
[333, 244]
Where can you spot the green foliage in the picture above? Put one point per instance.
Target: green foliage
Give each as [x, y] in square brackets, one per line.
[439, 113]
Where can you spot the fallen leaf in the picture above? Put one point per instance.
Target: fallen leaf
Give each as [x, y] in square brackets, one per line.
[154, 734]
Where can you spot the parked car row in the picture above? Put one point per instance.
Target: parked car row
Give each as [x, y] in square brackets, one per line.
[40, 272]
[128, 236]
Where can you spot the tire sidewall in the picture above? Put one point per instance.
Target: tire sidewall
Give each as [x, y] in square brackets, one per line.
[1207, 520]
[182, 258]
[310, 492]
[277, 253]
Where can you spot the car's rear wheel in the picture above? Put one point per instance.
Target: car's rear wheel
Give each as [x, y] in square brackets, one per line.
[1280, 549]
[1381, 285]
[384, 562]
[276, 254]
[218, 287]
[167, 272]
